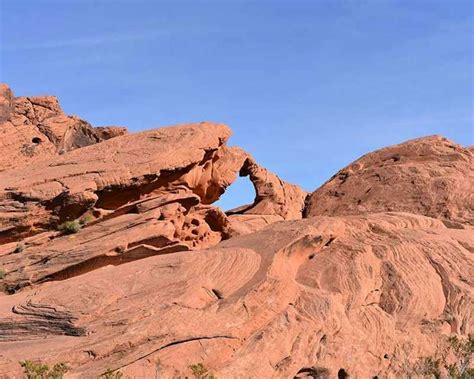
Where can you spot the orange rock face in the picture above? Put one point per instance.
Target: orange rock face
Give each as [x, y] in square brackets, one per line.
[112, 257]
[431, 176]
[33, 128]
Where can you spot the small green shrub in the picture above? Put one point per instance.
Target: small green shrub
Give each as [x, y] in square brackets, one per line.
[19, 248]
[112, 374]
[84, 220]
[59, 369]
[34, 370]
[2, 274]
[69, 227]
[39, 370]
[201, 372]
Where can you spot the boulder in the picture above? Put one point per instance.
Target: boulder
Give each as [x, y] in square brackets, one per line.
[431, 176]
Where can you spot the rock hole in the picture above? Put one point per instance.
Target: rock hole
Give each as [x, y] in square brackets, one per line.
[342, 374]
[238, 193]
[36, 140]
[311, 256]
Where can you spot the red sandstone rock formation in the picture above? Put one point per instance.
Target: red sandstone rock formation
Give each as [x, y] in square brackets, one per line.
[33, 128]
[431, 176]
[364, 277]
[275, 200]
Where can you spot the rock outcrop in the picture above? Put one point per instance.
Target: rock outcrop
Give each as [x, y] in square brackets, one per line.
[275, 200]
[431, 176]
[34, 128]
[129, 197]
[104, 177]
[113, 256]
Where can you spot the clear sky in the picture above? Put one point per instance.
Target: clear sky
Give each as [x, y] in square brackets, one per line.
[306, 86]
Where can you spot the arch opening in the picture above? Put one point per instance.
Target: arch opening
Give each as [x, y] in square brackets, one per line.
[241, 193]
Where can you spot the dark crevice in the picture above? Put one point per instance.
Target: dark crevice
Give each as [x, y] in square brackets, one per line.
[330, 241]
[217, 293]
[306, 206]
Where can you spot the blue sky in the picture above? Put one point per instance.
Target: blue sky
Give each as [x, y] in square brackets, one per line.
[306, 86]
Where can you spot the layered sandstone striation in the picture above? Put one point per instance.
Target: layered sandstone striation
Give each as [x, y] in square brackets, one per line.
[327, 292]
[365, 277]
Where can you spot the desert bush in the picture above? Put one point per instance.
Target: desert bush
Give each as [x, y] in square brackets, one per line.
[201, 372]
[38, 370]
[462, 350]
[452, 360]
[112, 374]
[2, 274]
[84, 220]
[69, 227]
